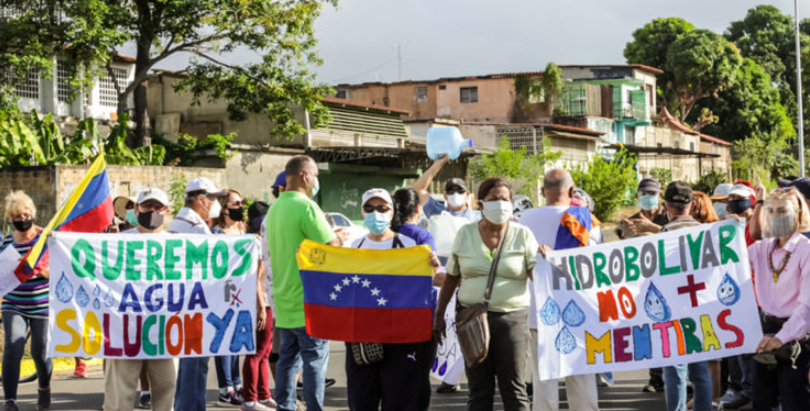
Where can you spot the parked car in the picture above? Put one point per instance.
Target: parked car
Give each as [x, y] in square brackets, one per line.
[338, 220]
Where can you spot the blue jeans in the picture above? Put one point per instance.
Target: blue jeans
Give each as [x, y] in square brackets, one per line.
[191, 384]
[298, 348]
[675, 386]
[16, 326]
[227, 371]
[747, 368]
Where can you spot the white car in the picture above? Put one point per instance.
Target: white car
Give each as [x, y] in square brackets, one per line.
[338, 220]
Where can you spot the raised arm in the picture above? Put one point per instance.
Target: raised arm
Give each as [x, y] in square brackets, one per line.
[422, 185]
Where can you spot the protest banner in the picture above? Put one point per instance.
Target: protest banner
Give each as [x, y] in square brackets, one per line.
[653, 301]
[152, 296]
[448, 362]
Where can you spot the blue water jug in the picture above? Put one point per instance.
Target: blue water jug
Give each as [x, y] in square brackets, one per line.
[445, 140]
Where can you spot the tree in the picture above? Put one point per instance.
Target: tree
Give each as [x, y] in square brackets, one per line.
[608, 181]
[702, 64]
[87, 33]
[520, 169]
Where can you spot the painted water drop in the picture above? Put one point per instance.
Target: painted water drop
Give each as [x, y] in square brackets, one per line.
[109, 300]
[728, 292]
[656, 305]
[443, 369]
[435, 364]
[96, 304]
[573, 315]
[550, 313]
[97, 291]
[82, 298]
[565, 342]
[64, 289]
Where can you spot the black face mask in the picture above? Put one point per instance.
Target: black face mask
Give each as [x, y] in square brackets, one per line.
[150, 220]
[236, 214]
[739, 206]
[23, 226]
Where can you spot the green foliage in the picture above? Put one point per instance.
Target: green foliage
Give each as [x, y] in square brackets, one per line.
[520, 169]
[757, 157]
[663, 175]
[177, 193]
[189, 149]
[607, 181]
[709, 181]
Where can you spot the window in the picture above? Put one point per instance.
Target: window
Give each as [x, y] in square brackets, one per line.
[27, 87]
[629, 135]
[107, 93]
[650, 94]
[421, 94]
[677, 144]
[537, 94]
[62, 82]
[691, 146]
[342, 93]
[443, 87]
[469, 94]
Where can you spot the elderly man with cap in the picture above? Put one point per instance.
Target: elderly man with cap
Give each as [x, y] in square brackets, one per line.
[201, 205]
[121, 376]
[652, 216]
[456, 194]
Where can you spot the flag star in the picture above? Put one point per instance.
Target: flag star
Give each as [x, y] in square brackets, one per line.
[346, 281]
[338, 287]
[333, 296]
[355, 279]
[382, 301]
[375, 292]
[366, 283]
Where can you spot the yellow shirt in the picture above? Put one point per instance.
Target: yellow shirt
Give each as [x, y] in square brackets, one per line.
[471, 260]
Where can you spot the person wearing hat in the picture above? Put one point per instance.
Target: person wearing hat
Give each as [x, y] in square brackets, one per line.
[678, 202]
[201, 205]
[121, 376]
[647, 221]
[741, 200]
[124, 208]
[402, 379]
[720, 199]
[280, 184]
[456, 194]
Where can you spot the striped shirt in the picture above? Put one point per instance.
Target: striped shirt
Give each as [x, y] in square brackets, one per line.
[30, 298]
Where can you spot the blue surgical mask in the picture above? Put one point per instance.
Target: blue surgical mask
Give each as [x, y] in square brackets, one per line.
[648, 203]
[315, 187]
[720, 209]
[377, 223]
[131, 218]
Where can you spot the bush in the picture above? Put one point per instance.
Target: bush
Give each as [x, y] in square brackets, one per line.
[663, 175]
[521, 170]
[177, 193]
[709, 181]
[608, 181]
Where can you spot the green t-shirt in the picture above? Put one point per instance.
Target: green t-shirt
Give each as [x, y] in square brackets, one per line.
[292, 219]
[471, 259]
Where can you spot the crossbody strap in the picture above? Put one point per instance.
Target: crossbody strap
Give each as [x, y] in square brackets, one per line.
[494, 267]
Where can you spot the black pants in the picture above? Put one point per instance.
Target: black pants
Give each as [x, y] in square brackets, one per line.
[782, 383]
[401, 381]
[506, 361]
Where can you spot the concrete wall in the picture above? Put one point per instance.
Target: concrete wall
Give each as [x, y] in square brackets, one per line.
[683, 167]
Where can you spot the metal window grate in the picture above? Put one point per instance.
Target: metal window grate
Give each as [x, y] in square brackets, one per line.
[26, 88]
[62, 82]
[520, 136]
[421, 94]
[469, 94]
[107, 94]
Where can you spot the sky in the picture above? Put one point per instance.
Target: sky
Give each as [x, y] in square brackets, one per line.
[359, 39]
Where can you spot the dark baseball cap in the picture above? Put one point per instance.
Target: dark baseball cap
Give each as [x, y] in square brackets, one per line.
[281, 180]
[803, 185]
[678, 192]
[455, 182]
[649, 184]
[786, 182]
[257, 209]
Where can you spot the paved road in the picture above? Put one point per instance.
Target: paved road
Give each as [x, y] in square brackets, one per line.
[86, 394]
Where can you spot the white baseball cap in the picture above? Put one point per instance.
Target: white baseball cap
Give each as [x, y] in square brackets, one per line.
[741, 190]
[153, 194]
[203, 184]
[721, 192]
[378, 193]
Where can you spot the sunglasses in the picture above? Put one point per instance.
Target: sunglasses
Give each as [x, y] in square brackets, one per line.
[382, 208]
[456, 191]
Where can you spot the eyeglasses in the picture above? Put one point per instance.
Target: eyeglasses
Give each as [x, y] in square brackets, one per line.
[382, 208]
[457, 190]
[152, 206]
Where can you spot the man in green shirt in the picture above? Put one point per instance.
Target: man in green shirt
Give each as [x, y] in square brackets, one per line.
[293, 218]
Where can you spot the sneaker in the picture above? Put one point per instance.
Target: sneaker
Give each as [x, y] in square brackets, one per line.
[731, 395]
[329, 382]
[270, 403]
[654, 385]
[257, 406]
[447, 388]
[145, 401]
[738, 403]
[43, 398]
[231, 399]
[80, 371]
[11, 405]
[604, 380]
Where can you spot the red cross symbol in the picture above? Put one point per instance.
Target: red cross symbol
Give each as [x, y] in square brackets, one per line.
[235, 297]
[692, 288]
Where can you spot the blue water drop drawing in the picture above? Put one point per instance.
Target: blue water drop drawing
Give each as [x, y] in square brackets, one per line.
[97, 291]
[64, 289]
[728, 292]
[443, 369]
[109, 300]
[435, 364]
[82, 298]
[565, 342]
[656, 305]
[97, 304]
[573, 315]
[550, 313]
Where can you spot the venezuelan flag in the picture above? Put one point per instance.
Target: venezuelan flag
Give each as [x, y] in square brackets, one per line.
[372, 296]
[89, 209]
[575, 228]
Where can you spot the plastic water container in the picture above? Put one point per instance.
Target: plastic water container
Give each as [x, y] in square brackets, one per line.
[445, 140]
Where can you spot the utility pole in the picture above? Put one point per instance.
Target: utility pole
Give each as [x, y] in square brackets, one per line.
[399, 59]
[799, 91]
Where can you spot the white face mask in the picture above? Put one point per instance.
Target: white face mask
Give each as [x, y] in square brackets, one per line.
[720, 209]
[215, 209]
[457, 200]
[497, 212]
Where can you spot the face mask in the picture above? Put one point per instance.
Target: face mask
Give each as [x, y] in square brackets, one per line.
[236, 214]
[648, 203]
[314, 188]
[457, 200]
[781, 226]
[377, 223]
[720, 209]
[497, 212]
[739, 206]
[131, 218]
[150, 220]
[23, 226]
[215, 209]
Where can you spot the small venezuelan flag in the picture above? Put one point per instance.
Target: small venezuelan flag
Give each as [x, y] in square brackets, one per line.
[371, 296]
[575, 228]
[89, 209]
